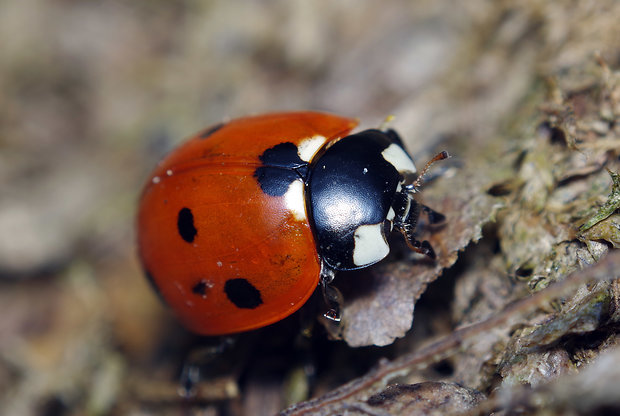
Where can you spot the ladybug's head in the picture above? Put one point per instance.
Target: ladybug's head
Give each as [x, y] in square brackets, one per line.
[356, 189]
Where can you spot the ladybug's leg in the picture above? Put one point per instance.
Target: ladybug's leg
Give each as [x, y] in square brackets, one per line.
[200, 358]
[434, 217]
[422, 247]
[332, 296]
[407, 211]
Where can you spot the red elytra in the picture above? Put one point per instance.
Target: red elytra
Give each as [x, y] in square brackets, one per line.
[224, 255]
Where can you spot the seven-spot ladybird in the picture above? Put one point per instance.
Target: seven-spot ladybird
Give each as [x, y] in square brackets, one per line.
[237, 226]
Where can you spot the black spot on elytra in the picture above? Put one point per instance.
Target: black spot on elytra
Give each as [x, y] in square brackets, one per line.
[201, 288]
[275, 181]
[242, 293]
[281, 166]
[210, 130]
[185, 225]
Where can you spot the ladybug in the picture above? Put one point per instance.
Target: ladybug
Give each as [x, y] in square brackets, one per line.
[238, 226]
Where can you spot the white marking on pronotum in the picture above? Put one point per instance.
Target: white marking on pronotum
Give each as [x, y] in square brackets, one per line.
[156, 179]
[370, 245]
[310, 146]
[395, 155]
[294, 200]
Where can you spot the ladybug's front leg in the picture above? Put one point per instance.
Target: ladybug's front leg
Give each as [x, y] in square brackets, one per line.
[332, 296]
[407, 211]
[424, 247]
[433, 216]
[198, 360]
